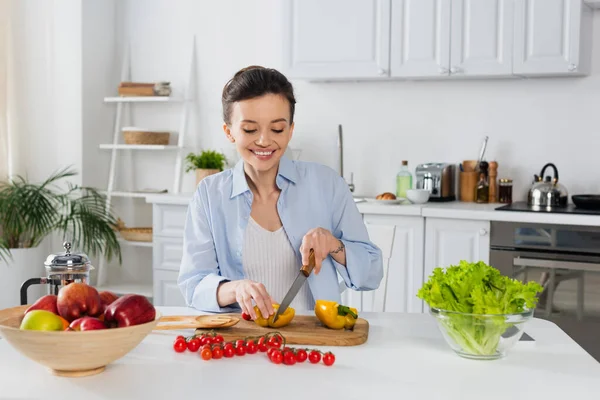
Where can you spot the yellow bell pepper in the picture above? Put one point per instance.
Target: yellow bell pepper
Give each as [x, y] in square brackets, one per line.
[282, 319]
[334, 315]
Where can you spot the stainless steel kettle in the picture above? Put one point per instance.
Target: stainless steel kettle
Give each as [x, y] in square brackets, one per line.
[547, 192]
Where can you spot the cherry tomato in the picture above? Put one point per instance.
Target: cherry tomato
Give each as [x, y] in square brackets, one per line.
[228, 352]
[206, 340]
[273, 342]
[206, 346]
[251, 347]
[289, 358]
[227, 344]
[206, 354]
[218, 339]
[180, 337]
[286, 348]
[276, 357]
[179, 345]
[328, 359]
[217, 353]
[270, 351]
[301, 355]
[240, 351]
[193, 345]
[247, 317]
[240, 343]
[314, 357]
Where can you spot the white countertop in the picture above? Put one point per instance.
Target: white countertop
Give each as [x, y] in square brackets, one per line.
[404, 357]
[454, 209]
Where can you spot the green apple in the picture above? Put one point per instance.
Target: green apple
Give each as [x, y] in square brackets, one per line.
[42, 320]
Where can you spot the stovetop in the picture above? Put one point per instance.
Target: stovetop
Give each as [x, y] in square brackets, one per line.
[570, 209]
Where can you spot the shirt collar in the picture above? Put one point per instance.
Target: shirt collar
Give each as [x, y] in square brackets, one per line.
[287, 169]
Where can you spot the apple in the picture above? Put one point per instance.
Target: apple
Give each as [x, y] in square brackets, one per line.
[86, 324]
[47, 302]
[107, 298]
[128, 310]
[78, 300]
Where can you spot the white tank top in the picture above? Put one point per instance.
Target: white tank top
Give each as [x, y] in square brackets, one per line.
[268, 258]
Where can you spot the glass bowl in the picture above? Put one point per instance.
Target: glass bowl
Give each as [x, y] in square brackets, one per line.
[481, 336]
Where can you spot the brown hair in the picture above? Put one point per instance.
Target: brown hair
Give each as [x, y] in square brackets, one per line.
[255, 81]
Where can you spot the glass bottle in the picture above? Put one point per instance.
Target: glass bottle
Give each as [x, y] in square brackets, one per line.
[403, 180]
[483, 186]
[505, 191]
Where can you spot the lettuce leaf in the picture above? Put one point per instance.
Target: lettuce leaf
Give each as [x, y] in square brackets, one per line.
[477, 288]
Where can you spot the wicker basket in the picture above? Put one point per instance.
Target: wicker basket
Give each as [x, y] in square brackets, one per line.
[139, 234]
[146, 137]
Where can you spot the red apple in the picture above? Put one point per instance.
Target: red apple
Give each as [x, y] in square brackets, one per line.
[128, 310]
[47, 302]
[107, 298]
[86, 324]
[78, 300]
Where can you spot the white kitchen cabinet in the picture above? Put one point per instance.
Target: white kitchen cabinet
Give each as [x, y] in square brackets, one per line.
[420, 38]
[165, 290]
[400, 239]
[482, 38]
[552, 37]
[336, 38]
[448, 241]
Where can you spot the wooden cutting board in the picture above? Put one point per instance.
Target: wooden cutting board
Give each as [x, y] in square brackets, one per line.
[304, 329]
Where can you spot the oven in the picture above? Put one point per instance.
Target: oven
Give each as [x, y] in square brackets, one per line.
[565, 259]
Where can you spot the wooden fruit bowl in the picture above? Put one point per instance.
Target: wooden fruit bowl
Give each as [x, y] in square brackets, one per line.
[72, 353]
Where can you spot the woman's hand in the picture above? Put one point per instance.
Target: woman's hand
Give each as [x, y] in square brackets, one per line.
[323, 243]
[243, 292]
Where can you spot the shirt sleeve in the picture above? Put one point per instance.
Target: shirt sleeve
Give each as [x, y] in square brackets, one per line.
[199, 273]
[364, 263]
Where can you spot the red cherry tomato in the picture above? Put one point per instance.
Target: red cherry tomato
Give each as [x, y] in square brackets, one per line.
[180, 337]
[247, 317]
[240, 351]
[228, 352]
[217, 353]
[289, 358]
[328, 359]
[251, 347]
[240, 343]
[276, 357]
[273, 342]
[193, 345]
[218, 339]
[179, 345]
[314, 357]
[301, 355]
[206, 354]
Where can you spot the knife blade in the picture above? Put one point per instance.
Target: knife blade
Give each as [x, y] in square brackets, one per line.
[298, 282]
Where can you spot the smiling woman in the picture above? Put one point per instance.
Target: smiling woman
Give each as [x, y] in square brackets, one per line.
[250, 229]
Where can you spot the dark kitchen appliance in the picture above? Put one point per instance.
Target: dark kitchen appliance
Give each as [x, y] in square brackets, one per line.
[587, 201]
[568, 209]
[547, 191]
[439, 179]
[61, 269]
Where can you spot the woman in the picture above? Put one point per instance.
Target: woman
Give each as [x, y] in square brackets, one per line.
[249, 229]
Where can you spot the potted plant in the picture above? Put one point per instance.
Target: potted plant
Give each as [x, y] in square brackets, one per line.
[206, 163]
[29, 213]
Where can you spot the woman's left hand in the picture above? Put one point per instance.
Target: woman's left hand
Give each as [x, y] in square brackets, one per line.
[322, 242]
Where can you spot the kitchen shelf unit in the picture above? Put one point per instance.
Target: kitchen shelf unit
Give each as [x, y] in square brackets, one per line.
[123, 104]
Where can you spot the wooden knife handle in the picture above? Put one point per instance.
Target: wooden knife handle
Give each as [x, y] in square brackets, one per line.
[307, 269]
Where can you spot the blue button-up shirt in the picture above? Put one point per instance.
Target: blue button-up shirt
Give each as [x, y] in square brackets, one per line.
[312, 195]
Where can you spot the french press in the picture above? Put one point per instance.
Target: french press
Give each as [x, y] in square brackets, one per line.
[61, 269]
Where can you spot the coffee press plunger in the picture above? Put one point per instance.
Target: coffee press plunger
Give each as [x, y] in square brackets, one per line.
[61, 269]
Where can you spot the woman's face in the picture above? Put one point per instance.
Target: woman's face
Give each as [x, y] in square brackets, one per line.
[261, 130]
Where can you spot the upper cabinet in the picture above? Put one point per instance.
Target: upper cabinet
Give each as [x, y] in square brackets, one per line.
[435, 39]
[337, 38]
[482, 38]
[552, 37]
[420, 43]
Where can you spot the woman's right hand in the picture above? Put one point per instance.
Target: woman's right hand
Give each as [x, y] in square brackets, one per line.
[246, 291]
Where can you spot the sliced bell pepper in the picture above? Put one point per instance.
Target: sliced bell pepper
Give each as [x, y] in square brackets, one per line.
[282, 319]
[334, 315]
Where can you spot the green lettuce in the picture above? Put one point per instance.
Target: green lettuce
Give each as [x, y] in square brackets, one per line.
[477, 288]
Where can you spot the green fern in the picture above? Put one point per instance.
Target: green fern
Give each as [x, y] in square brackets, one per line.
[30, 212]
[208, 159]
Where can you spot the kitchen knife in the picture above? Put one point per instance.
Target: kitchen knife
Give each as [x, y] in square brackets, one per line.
[298, 282]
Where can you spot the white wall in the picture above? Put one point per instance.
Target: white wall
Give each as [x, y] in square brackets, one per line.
[530, 122]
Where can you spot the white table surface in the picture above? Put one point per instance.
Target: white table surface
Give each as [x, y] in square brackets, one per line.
[405, 357]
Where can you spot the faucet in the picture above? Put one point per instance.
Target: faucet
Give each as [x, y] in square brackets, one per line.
[341, 158]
